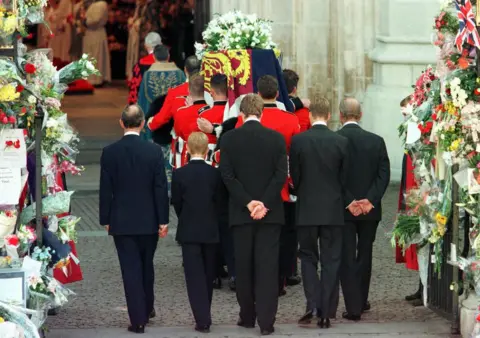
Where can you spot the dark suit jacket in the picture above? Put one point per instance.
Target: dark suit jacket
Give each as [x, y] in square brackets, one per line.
[198, 197]
[318, 167]
[368, 171]
[253, 163]
[133, 187]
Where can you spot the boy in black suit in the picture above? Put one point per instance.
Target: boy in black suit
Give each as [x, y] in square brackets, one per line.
[197, 196]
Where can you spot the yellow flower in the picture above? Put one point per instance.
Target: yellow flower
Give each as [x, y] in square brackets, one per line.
[8, 93]
[450, 108]
[8, 25]
[454, 145]
[441, 220]
[2, 320]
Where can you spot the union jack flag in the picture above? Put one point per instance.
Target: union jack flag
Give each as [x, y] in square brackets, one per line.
[467, 29]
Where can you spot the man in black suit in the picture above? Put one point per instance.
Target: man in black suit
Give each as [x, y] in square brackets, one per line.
[134, 207]
[198, 197]
[253, 163]
[367, 179]
[318, 167]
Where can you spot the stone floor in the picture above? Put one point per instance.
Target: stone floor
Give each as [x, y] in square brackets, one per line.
[100, 302]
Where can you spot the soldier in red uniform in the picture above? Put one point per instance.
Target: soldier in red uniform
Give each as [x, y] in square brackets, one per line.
[301, 106]
[185, 118]
[176, 96]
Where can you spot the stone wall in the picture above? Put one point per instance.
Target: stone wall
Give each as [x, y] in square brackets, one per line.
[325, 41]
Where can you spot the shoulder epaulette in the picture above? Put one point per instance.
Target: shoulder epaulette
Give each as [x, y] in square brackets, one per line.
[204, 109]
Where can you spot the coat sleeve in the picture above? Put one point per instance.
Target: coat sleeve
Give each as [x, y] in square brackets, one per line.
[165, 114]
[234, 187]
[294, 161]
[380, 184]
[106, 191]
[176, 193]
[348, 197]
[161, 190]
[274, 188]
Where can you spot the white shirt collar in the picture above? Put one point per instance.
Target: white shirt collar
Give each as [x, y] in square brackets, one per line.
[350, 122]
[318, 123]
[131, 133]
[252, 118]
[197, 159]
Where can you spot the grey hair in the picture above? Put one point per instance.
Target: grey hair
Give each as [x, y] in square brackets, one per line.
[132, 116]
[153, 39]
[350, 108]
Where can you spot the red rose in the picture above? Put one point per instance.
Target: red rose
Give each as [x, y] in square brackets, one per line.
[2, 115]
[9, 213]
[448, 91]
[12, 240]
[477, 91]
[434, 116]
[420, 126]
[432, 77]
[478, 318]
[429, 125]
[12, 119]
[438, 24]
[23, 110]
[20, 88]
[29, 68]
[4, 120]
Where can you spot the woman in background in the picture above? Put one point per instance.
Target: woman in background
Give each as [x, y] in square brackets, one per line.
[133, 46]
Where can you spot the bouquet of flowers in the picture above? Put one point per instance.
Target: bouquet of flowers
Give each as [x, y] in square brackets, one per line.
[8, 22]
[235, 30]
[66, 228]
[406, 228]
[12, 244]
[80, 69]
[42, 255]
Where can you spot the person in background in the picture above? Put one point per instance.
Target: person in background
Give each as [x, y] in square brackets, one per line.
[95, 42]
[368, 176]
[408, 182]
[301, 106]
[254, 168]
[318, 167]
[134, 43]
[160, 77]
[151, 41]
[197, 196]
[134, 208]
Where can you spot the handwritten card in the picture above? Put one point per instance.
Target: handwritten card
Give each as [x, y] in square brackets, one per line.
[13, 152]
[10, 185]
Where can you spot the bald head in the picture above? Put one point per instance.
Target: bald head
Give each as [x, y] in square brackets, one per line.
[132, 117]
[350, 109]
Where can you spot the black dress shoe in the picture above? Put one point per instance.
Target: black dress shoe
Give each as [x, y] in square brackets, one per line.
[306, 319]
[137, 328]
[324, 323]
[417, 302]
[282, 292]
[232, 284]
[366, 307]
[223, 273]
[217, 283]
[349, 316]
[152, 314]
[293, 280]
[244, 324]
[416, 295]
[202, 328]
[267, 332]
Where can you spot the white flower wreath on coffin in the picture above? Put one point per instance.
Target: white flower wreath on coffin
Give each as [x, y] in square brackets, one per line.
[7, 225]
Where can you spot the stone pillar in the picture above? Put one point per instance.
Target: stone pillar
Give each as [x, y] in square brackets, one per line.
[403, 49]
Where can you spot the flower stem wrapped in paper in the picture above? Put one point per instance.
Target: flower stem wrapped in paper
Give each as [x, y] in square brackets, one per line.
[77, 70]
[405, 230]
[12, 243]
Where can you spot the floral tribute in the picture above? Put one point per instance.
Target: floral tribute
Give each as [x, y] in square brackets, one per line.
[441, 133]
[30, 85]
[235, 30]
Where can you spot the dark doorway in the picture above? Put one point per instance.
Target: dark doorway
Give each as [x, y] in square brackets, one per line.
[182, 23]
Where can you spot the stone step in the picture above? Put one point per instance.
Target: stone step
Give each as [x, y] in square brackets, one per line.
[91, 150]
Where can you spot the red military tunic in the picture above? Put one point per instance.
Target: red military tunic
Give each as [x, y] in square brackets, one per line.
[285, 123]
[174, 100]
[215, 116]
[185, 123]
[303, 115]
